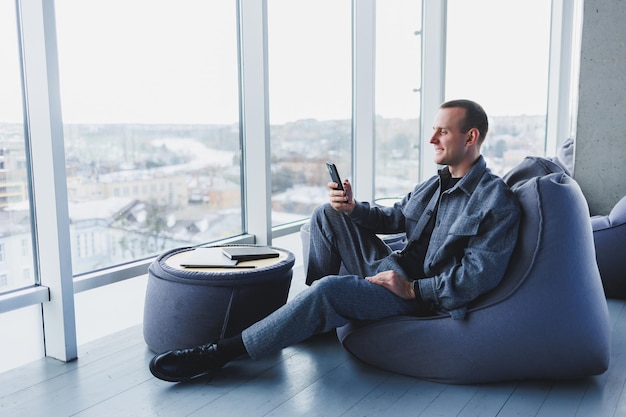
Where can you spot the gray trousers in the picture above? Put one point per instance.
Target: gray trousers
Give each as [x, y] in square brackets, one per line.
[332, 300]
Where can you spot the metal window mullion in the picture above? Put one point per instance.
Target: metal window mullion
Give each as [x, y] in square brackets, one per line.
[559, 109]
[433, 77]
[255, 120]
[50, 205]
[24, 297]
[363, 97]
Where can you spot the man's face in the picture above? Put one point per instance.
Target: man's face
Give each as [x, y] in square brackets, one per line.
[449, 142]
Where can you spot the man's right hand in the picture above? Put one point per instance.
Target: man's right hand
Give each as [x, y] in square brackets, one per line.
[341, 200]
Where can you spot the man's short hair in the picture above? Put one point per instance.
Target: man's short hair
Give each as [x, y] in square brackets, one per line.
[475, 117]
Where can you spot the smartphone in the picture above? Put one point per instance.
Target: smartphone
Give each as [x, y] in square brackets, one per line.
[334, 175]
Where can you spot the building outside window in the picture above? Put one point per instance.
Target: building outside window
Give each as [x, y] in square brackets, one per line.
[310, 101]
[15, 208]
[151, 109]
[495, 57]
[398, 95]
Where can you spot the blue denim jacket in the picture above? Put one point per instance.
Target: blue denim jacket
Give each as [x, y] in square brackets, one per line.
[472, 241]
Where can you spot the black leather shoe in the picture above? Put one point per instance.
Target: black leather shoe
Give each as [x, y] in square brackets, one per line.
[182, 365]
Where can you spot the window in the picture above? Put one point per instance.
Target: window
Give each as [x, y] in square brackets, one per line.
[310, 101]
[15, 212]
[495, 58]
[26, 247]
[149, 91]
[397, 102]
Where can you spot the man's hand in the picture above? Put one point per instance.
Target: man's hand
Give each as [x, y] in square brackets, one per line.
[395, 283]
[341, 200]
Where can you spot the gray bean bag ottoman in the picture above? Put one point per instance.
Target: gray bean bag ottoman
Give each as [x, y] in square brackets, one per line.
[548, 319]
[187, 307]
[609, 234]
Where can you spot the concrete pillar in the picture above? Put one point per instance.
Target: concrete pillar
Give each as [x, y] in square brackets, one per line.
[600, 152]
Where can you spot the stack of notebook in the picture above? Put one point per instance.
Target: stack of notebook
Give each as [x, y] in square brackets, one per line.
[225, 257]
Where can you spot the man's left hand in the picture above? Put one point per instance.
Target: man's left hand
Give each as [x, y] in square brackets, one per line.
[395, 283]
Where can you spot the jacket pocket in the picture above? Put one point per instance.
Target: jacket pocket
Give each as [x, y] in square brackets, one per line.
[466, 226]
[414, 209]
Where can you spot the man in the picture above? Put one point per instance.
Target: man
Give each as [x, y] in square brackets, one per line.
[461, 226]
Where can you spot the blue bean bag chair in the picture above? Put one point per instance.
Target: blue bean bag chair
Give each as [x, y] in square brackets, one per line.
[548, 318]
[609, 234]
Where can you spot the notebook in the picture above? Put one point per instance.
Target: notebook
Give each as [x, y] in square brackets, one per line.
[249, 253]
[205, 258]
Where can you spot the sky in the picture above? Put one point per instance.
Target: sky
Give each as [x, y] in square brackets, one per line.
[498, 54]
[133, 60]
[10, 84]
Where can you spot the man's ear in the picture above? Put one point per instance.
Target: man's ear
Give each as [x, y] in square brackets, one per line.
[472, 136]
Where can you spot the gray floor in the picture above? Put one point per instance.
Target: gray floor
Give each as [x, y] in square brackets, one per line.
[316, 377]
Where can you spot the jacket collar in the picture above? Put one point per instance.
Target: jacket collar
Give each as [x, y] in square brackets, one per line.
[469, 182]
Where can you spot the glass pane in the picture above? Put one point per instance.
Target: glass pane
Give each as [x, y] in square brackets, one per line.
[16, 254]
[497, 59]
[310, 95]
[398, 82]
[149, 91]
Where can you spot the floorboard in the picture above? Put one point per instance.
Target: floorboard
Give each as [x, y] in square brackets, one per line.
[488, 400]
[606, 391]
[314, 378]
